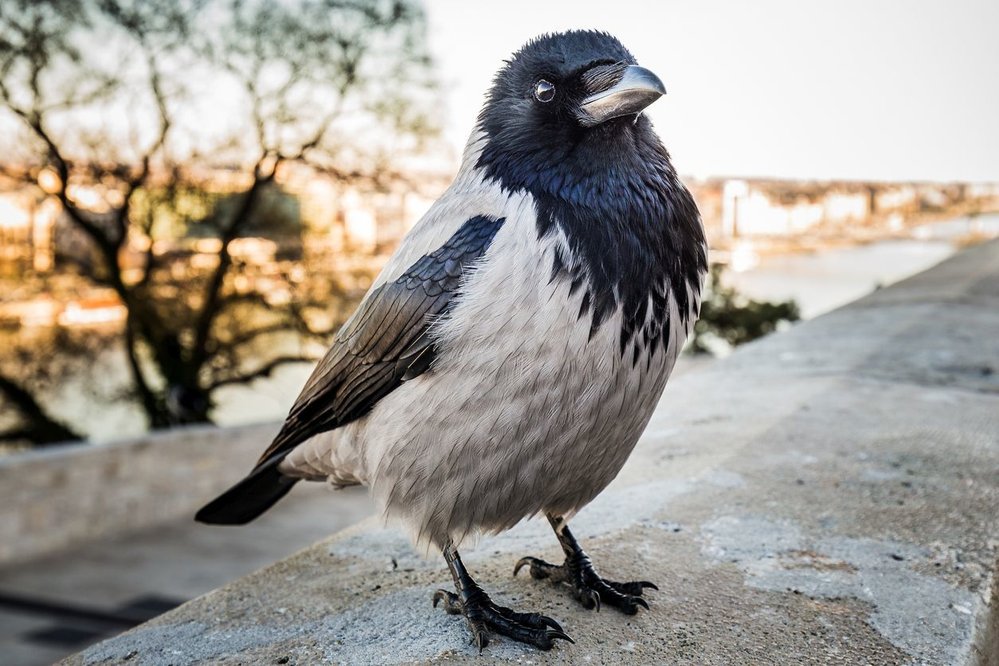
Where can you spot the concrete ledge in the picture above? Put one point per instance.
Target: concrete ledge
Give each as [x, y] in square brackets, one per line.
[827, 495]
[53, 498]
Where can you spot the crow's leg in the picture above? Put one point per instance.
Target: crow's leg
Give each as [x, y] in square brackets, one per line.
[486, 618]
[577, 572]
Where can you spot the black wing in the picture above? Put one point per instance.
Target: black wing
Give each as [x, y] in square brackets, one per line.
[385, 342]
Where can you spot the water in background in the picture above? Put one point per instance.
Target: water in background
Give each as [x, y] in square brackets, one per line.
[825, 280]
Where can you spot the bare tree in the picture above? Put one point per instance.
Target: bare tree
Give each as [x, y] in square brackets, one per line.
[146, 103]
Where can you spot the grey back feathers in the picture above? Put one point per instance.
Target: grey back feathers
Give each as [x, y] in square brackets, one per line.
[386, 341]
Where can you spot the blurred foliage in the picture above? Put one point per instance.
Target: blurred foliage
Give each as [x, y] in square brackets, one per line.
[729, 317]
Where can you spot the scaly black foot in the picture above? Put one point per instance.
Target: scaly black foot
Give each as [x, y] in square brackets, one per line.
[578, 573]
[486, 618]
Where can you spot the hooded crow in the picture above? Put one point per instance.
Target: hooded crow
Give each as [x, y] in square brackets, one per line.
[509, 355]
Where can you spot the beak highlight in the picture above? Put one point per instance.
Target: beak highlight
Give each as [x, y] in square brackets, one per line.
[636, 88]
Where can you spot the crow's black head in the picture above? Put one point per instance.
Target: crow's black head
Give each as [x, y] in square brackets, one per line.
[563, 122]
[565, 104]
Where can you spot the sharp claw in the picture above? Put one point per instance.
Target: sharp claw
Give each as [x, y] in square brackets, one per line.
[595, 598]
[638, 601]
[559, 634]
[539, 569]
[648, 584]
[452, 604]
[551, 623]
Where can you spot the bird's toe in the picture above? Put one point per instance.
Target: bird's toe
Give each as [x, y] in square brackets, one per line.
[633, 588]
[486, 619]
[450, 601]
[536, 620]
[626, 597]
[542, 637]
[589, 589]
[539, 569]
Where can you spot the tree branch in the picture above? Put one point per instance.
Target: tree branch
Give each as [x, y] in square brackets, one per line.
[146, 395]
[41, 428]
[263, 371]
[252, 334]
[213, 292]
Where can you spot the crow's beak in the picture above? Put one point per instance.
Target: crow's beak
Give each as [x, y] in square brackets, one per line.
[617, 90]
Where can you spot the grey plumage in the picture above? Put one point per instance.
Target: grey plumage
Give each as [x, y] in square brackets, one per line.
[511, 352]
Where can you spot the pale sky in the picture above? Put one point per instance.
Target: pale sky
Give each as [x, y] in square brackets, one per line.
[855, 89]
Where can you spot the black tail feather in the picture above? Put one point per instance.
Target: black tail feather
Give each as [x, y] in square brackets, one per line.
[249, 498]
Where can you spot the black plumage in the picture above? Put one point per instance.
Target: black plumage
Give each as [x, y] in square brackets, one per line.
[633, 229]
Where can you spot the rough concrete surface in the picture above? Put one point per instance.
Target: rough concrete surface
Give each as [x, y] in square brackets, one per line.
[826, 495]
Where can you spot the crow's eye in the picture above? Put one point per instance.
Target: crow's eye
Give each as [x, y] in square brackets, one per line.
[544, 91]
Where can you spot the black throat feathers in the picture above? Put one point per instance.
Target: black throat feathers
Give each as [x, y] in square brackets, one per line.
[633, 230]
